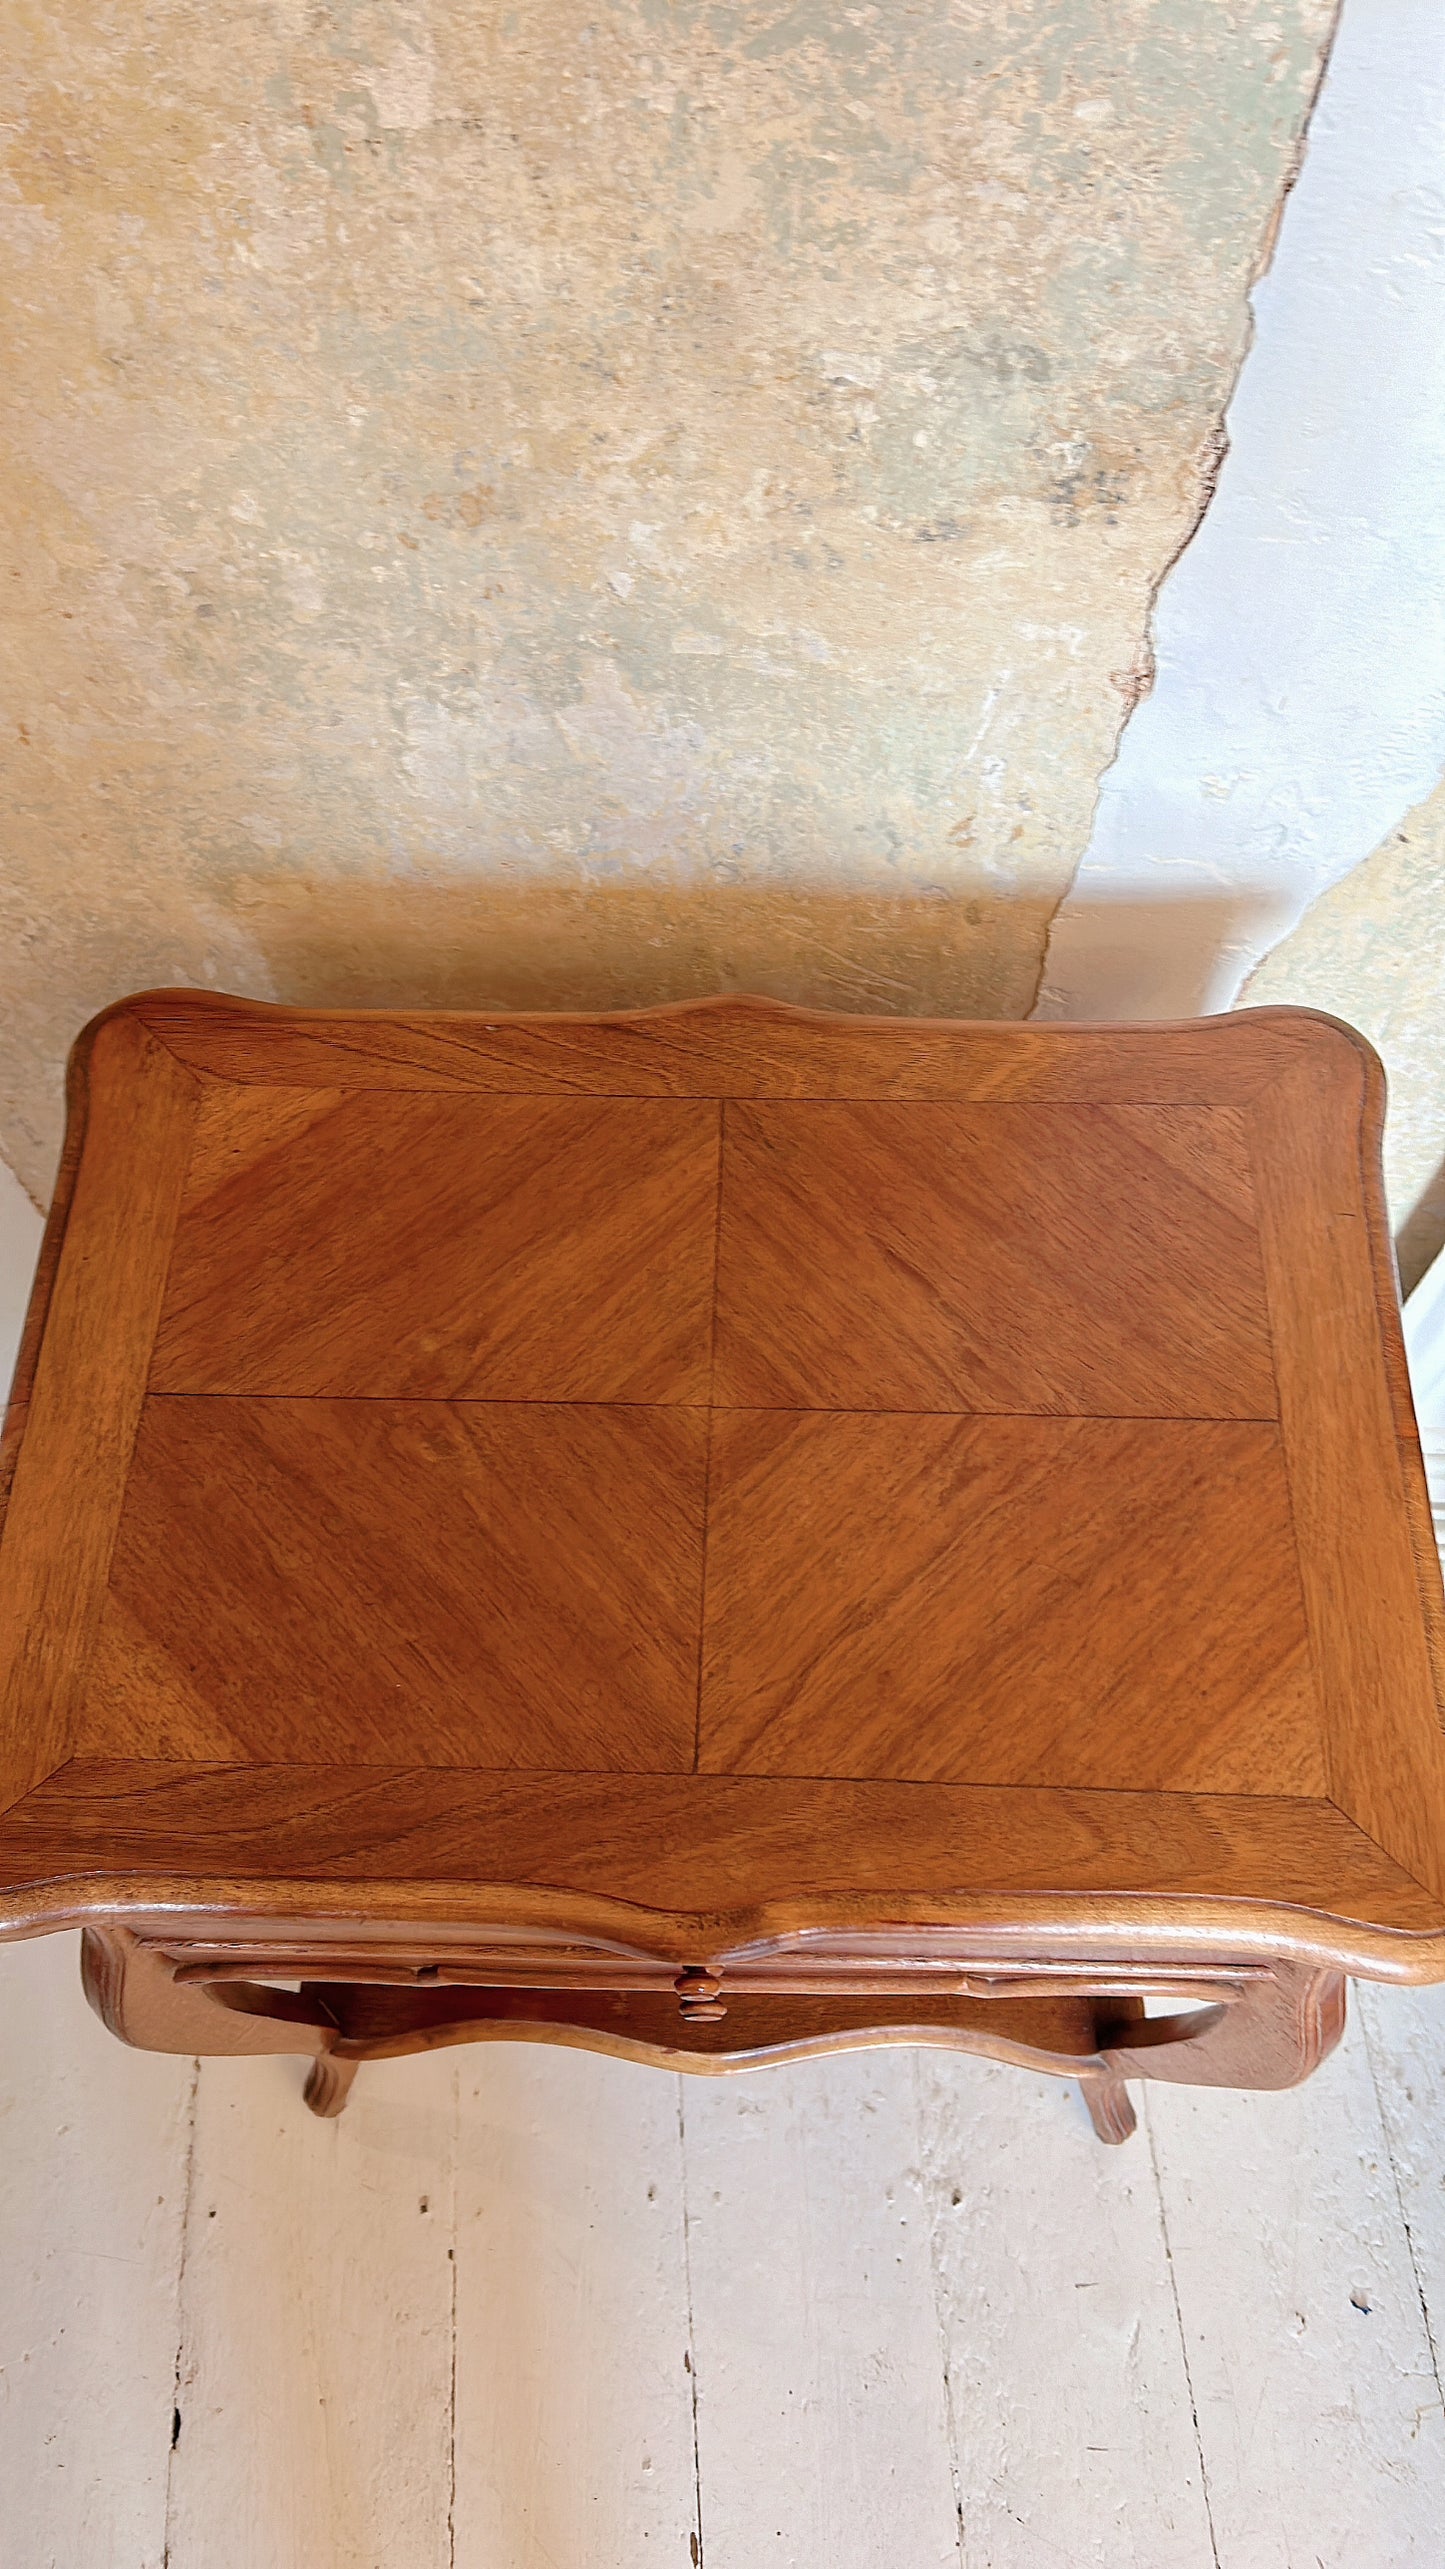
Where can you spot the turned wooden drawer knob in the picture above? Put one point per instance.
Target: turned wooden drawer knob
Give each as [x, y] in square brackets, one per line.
[698, 1998]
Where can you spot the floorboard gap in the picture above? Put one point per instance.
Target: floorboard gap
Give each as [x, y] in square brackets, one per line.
[1148, 2130]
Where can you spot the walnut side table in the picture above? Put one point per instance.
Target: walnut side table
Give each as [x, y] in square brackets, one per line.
[719, 1533]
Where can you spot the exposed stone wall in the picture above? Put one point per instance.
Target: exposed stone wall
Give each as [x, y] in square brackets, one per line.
[584, 504]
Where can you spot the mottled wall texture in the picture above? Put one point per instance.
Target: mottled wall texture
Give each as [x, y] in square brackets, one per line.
[1373, 950]
[575, 504]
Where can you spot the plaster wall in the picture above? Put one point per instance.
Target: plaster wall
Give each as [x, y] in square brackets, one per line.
[1373, 950]
[589, 504]
[1299, 710]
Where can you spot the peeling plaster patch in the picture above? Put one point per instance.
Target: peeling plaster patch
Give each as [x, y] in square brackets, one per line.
[1373, 951]
[659, 495]
[1299, 707]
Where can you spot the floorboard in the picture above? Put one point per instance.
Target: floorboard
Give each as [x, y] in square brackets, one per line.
[822, 2429]
[1310, 2365]
[1069, 2398]
[574, 2388]
[93, 2152]
[313, 2396]
[1404, 2035]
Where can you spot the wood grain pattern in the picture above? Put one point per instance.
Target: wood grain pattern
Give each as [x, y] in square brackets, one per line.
[758, 1492]
[497, 1585]
[1006, 1601]
[101, 1300]
[137, 1999]
[1362, 1576]
[444, 1247]
[467, 1584]
[691, 1866]
[1267, 2029]
[1042, 2033]
[733, 1047]
[884, 1256]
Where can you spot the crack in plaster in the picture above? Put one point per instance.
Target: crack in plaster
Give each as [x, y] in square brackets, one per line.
[1301, 636]
[1137, 683]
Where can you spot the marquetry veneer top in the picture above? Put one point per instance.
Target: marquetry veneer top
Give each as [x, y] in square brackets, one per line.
[722, 1461]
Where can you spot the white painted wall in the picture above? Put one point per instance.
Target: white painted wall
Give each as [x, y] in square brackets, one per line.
[1299, 708]
[1425, 1348]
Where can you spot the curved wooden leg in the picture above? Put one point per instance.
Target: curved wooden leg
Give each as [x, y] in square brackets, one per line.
[1110, 2110]
[1270, 2028]
[328, 2084]
[1278, 2029]
[136, 1996]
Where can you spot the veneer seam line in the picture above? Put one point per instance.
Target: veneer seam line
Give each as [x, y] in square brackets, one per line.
[747, 1409]
[186, 1771]
[722, 1111]
[1370, 1839]
[555, 1094]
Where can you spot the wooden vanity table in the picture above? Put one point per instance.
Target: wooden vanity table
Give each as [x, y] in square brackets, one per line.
[719, 1533]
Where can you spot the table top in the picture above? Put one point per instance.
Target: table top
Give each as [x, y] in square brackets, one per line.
[724, 1464]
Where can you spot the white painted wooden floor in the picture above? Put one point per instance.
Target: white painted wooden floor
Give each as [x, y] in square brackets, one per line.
[523, 2310]
[526, 2310]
